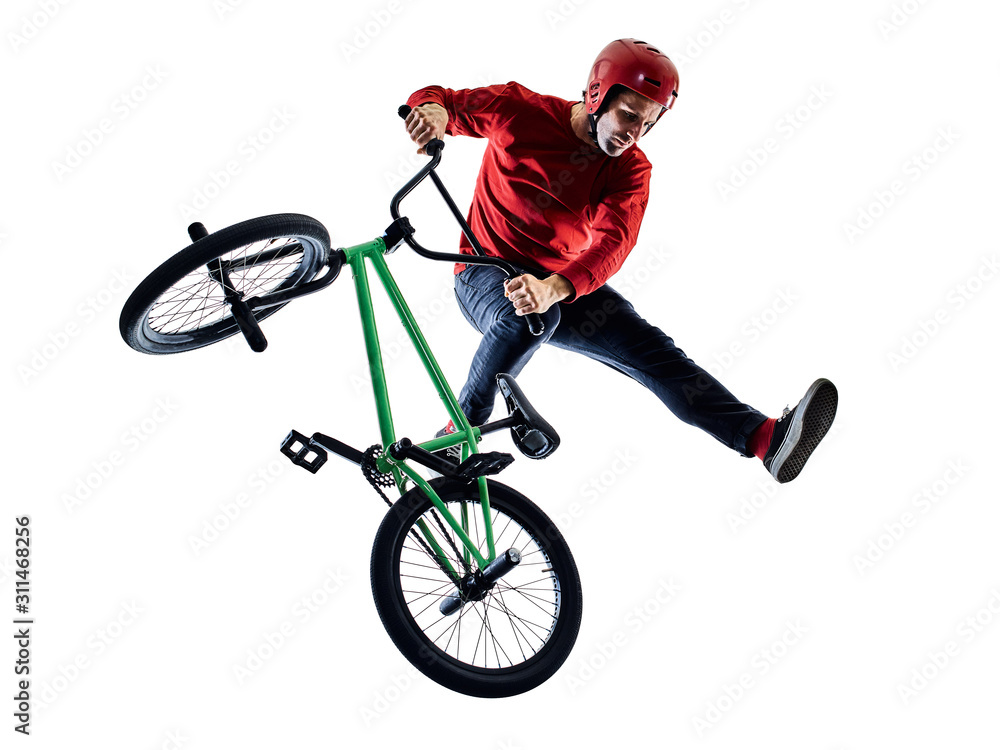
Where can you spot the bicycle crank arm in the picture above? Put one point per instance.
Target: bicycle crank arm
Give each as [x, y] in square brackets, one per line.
[476, 465]
[476, 586]
[335, 446]
[404, 448]
[311, 453]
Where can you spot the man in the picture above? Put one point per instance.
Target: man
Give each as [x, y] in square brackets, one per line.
[563, 187]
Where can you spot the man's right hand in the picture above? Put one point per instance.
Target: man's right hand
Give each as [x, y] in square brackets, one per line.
[425, 123]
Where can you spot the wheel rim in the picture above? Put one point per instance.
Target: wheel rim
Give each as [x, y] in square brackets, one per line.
[194, 307]
[516, 619]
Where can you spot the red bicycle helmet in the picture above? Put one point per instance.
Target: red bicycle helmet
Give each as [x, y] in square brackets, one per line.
[637, 66]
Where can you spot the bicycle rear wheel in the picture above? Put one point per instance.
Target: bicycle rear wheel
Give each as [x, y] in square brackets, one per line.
[182, 304]
[512, 639]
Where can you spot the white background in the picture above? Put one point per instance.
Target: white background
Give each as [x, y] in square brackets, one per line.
[647, 503]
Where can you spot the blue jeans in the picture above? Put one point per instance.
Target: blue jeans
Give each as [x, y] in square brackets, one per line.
[604, 326]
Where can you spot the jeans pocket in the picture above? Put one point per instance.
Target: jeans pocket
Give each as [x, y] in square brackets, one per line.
[481, 278]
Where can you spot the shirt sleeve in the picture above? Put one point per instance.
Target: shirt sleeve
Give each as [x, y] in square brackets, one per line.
[615, 230]
[473, 112]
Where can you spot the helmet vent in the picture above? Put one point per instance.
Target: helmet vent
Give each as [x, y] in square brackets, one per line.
[654, 82]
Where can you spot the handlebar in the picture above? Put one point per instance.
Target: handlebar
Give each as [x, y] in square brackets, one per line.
[433, 149]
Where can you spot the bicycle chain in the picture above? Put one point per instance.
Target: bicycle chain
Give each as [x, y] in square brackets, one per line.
[378, 480]
[458, 555]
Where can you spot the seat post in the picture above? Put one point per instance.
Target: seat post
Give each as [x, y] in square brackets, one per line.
[501, 424]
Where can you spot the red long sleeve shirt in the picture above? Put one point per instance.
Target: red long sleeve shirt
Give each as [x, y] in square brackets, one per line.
[543, 197]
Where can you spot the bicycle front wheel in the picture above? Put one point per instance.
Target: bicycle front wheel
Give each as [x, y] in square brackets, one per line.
[182, 305]
[512, 639]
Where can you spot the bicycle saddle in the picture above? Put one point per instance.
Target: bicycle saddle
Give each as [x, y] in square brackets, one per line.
[533, 436]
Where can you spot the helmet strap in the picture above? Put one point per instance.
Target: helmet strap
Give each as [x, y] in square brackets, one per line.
[593, 127]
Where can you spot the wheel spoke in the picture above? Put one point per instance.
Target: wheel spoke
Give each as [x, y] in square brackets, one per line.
[506, 629]
[429, 593]
[197, 302]
[530, 598]
[513, 626]
[527, 624]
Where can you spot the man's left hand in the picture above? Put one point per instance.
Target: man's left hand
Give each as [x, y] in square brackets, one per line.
[532, 295]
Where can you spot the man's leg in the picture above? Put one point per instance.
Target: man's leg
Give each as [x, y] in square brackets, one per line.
[507, 345]
[604, 326]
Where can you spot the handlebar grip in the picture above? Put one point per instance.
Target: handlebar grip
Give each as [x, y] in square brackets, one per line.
[535, 325]
[432, 146]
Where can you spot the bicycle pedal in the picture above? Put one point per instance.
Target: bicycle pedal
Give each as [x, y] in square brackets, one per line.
[298, 448]
[483, 464]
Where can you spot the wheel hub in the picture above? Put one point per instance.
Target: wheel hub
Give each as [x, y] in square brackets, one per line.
[477, 584]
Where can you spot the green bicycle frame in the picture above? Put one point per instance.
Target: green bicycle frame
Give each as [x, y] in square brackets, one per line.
[465, 434]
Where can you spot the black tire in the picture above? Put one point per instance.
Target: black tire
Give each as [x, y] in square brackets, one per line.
[408, 587]
[179, 307]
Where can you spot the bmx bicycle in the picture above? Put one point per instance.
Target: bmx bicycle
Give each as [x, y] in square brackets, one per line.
[474, 584]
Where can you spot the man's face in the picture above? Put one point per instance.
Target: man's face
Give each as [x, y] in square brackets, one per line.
[624, 122]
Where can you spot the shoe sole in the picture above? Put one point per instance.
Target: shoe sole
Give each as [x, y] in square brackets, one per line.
[811, 423]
